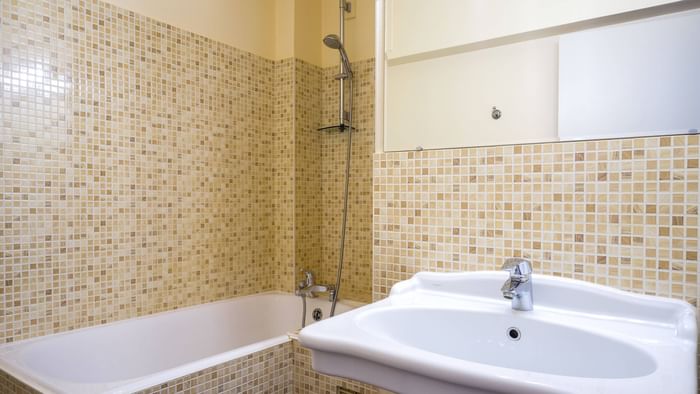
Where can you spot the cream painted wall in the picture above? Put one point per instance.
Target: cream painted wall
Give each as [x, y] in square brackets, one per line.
[284, 29]
[359, 31]
[308, 35]
[275, 29]
[298, 30]
[245, 24]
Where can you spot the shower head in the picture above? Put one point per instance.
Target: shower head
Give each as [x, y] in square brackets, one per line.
[332, 41]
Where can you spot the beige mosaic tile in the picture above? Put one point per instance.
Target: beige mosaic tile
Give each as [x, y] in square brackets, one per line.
[134, 162]
[10, 385]
[266, 371]
[283, 174]
[146, 168]
[307, 149]
[622, 213]
[357, 269]
[318, 171]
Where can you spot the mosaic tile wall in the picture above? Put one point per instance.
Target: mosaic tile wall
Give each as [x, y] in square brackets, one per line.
[283, 174]
[307, 164]
[622, 213]
[318, 162]
[145, 168]
[357, 269]
[135, 164]
[266, 371]
[10, 385]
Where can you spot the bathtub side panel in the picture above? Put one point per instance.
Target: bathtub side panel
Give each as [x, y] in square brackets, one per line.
[266, 371]
[10, 385]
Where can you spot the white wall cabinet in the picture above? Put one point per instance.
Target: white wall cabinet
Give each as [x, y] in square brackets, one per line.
[418, 26]
[434, 99]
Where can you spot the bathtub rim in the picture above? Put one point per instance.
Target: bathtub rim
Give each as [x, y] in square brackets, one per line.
[144, 382]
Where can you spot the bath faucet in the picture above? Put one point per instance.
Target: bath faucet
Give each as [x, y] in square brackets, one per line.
[307, 287]
[518, 287]
[308, 279]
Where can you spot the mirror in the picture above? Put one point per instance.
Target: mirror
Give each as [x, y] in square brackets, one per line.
[605, 71]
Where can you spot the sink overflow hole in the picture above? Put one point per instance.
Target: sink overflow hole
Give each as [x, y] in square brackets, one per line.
[317, 314]
[343, 390]
[514, 334]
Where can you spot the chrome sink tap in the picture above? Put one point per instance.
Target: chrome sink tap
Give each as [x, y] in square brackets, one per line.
[518, 288]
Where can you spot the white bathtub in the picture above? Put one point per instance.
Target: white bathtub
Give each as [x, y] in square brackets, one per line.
[135, 354]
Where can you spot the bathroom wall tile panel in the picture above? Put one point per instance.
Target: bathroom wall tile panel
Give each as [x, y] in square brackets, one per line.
[356, 282]
[10, 385]
[622, 213]
[307, 156]
[266, 371]
[283, 174]
[135, 163]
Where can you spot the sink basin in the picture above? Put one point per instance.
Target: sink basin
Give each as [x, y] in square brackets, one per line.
[453, 333]
[510, 342]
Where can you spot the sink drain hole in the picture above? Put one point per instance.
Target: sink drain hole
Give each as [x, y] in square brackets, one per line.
[317, 314]
[513, 334]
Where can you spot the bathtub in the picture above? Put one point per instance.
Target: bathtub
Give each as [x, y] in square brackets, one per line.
[139, 353]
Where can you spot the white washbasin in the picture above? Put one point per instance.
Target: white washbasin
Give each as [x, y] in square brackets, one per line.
[454, 333]
[486, 338]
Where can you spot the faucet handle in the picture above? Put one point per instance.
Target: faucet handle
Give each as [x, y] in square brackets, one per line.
[308, 278]
[518, 267]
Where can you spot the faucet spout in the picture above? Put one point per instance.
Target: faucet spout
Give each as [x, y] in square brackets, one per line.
[518, 287]
[308, 287]
[508, 289]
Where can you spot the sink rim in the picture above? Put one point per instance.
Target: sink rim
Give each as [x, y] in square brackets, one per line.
[672, 354]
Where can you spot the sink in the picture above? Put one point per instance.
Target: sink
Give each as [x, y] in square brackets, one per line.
[499, 340]
[454, 333]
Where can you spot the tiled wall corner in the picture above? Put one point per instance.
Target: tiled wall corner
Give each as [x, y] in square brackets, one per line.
[283, 174]
[357, 269]
[622, 213]
[307, 185]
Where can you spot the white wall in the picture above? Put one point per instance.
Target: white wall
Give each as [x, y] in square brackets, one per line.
[447, 101]
[635, 79]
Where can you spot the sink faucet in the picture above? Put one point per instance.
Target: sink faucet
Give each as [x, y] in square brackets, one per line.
[307, 287]
[518, 288]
